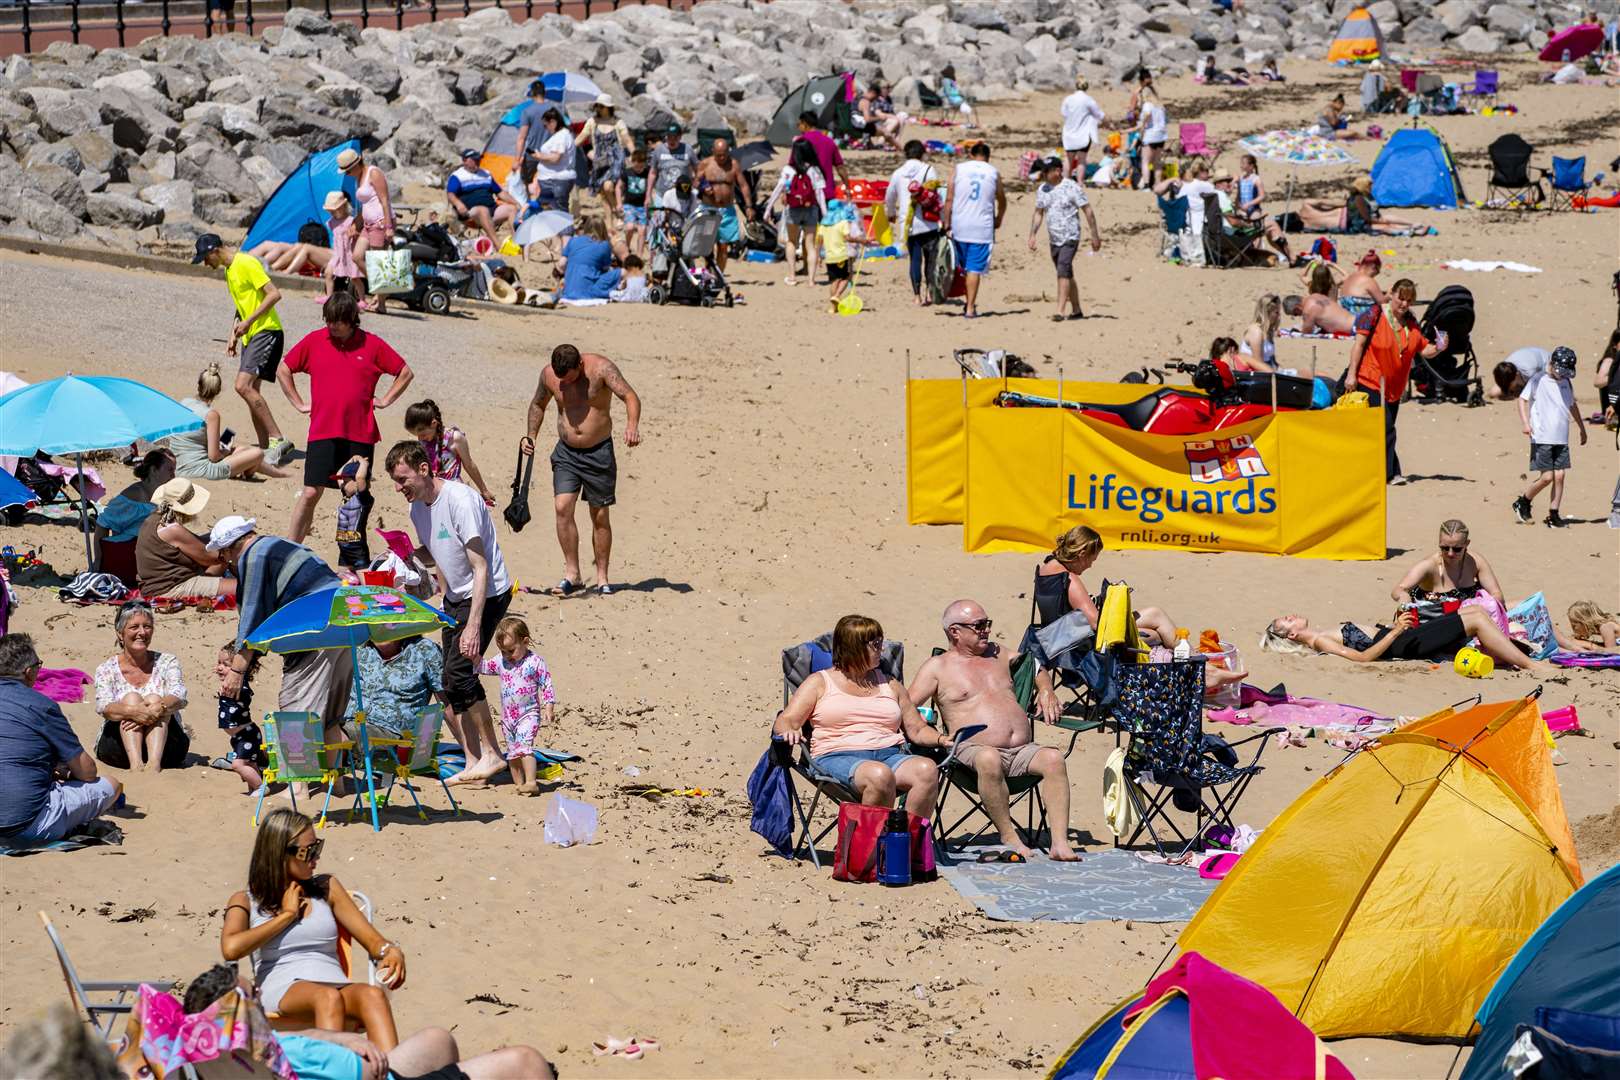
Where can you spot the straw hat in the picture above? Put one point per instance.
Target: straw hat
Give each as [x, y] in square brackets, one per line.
[502, 291]
[604, 101]
[335, 201]
[348, 159]
[181, 496]
[1362, 184]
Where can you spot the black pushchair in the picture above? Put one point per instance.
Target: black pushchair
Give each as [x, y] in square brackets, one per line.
[437, 269]
[683, 269]
[1453, 374]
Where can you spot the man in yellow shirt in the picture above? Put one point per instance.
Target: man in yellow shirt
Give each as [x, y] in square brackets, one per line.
[256, 335]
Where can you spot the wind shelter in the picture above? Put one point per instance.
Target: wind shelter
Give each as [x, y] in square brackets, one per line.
[300, 198]
[1415, 169]
[1389, 897]
[1571, 962]
[820, 95]
[1359, 40]
[501, 149]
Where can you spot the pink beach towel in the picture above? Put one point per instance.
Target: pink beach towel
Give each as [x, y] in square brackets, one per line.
[62, 684]
[1275, 710]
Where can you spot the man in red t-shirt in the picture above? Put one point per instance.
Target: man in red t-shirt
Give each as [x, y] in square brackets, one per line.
[827, 155]
[344, 364]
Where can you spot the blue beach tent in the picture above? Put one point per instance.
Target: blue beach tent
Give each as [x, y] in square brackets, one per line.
[1571, 962]
[1415, 169]
[300, 197]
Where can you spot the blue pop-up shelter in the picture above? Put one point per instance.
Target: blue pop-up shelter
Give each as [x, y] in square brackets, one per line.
[1415, 169]
[1571, 962]
[300, 197]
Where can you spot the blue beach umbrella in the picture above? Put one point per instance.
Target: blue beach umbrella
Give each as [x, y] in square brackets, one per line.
[75, 413]
[346, 617]
[569, 88]
[14, 492]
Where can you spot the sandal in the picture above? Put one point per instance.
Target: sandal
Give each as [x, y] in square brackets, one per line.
[565, 588]
[1001, 857]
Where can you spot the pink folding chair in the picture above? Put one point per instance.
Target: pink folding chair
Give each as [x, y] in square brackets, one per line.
[1409, 77]
[1194, 140]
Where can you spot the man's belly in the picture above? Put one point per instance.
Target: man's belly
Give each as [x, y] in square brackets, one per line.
[1005, 723]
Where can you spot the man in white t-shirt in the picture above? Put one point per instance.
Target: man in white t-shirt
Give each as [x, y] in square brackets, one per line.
[972, 217]
[456, 535]
[1081, 116]
[917, 220]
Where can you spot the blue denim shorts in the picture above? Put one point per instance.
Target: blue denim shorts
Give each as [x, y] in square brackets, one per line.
[841, 767]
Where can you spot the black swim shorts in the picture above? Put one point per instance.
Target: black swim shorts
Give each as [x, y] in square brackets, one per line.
[593, 471]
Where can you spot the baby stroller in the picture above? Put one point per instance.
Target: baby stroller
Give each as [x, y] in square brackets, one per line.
[437, 269]
[678, 246]
[1453, 375]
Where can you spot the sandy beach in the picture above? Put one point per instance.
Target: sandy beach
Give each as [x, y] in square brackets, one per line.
[767, 500]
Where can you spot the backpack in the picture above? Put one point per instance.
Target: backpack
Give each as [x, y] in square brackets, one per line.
[801, 192]
[925, 197]
[313, 232]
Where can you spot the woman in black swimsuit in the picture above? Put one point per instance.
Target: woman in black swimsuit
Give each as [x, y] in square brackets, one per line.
[1437, 639]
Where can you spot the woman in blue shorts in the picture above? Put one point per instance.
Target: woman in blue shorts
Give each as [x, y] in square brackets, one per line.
[860, 722]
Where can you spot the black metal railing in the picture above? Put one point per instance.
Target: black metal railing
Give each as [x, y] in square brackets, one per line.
[29, 25]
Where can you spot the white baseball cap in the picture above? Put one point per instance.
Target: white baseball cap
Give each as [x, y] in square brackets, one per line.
[228, 530]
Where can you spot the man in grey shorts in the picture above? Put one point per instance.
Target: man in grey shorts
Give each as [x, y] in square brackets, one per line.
[584, 386]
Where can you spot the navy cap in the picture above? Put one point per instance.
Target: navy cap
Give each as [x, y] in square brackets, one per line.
[205, 243]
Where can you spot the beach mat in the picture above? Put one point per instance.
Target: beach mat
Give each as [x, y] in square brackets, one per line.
[1107, 885]
[93, 834]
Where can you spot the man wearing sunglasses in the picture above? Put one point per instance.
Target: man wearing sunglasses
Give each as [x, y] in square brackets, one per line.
[971, 683]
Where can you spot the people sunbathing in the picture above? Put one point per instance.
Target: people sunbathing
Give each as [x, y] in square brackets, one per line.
[1357, 214]
[971, 683]
[1436, 639]
[860, 722]
[1320, 311]
[288, 919]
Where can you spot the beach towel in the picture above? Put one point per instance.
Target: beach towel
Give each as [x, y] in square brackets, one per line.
[770, 789]
[231, 1029]
[1306, 712]
[1564, 658]
[62, 685]
[1317, 336]
[1531, 622]
[96, 833]
[1486, 266]
[1107, 885]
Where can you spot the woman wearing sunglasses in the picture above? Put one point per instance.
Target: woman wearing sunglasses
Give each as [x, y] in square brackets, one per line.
[288, 918]
[1451, 574]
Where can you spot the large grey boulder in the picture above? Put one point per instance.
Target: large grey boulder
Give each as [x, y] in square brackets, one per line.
[38, 213]
[263, 174]
[122, 211]
[97, 152]
[60, 184]
[136, 125]
[470, 88]
[1477, 39]
[176, 198]
[62, 154]
[209, 166]
[1514, 23]
[63, 113]
[218, 207]
[1458, 15]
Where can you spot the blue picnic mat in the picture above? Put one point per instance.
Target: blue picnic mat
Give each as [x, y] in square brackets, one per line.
[1108, 884]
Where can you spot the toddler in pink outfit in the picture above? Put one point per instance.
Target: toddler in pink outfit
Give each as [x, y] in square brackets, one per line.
[527, 699]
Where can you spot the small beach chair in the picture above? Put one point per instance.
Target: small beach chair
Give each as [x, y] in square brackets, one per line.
[92, 997]
[1161, 706]
[1566, 182]
[932, 102]
[420, 759]
[963, 778]
[295, 743]
[1511, 186]
[1487, 84]
[1194, 139]
[799, 662]
[346, 961]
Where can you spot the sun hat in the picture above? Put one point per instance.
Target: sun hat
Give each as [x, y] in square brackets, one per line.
[181, 496]
[501, 291]
[1376, 65]
[206, 243]
[228, 530]
[335, 200]
[604, 101]
[1362, 184]
[1222, 177]
[348, 159]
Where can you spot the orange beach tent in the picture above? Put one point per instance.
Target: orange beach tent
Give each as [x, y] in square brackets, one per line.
[1390, 896]
[1358, 40]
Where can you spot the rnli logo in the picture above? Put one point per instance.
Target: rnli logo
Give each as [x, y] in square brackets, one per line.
[1211, 461]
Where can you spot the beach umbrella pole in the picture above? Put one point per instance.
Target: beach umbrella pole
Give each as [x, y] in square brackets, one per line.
[363, 737]
[84, 514]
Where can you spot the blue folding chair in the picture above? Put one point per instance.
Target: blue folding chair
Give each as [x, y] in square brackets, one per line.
[1566, 181]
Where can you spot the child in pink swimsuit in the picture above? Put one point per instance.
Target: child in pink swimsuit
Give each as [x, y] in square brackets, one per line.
[527, 699]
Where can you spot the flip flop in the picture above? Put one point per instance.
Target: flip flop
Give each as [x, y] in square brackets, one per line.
[604, 590]
[565, 588]
[647, 1042]
[1001, 857]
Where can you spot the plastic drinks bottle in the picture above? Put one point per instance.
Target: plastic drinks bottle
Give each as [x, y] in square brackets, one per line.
[894, 850]
[1183, 649]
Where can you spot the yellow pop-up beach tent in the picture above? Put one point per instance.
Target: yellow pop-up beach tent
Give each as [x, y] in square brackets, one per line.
[1388, 898]
[1359, 40]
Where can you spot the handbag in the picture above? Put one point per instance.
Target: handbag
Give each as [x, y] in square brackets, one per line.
[859, 827]
[517, 512]
[388, 271]
[110, 748]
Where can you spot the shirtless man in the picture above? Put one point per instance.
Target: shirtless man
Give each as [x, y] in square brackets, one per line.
[718, 180]
[1319, 314]
[583, 459]
[971, 683]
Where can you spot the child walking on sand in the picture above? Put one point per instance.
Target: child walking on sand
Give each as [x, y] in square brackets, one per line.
[247, 758]
[527, 699]
[340, 268]
[1546, 407]
[354, 512]
[448, 452]
[836, 239]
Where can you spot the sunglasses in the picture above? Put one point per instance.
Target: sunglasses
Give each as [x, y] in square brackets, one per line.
[309, 852]
[981, 627]
[1456, 549]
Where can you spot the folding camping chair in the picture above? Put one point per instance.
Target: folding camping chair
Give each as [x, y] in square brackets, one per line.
[1162, 708]
[299, 754]
[1089, 677]
[799, 662]
[346, 961]
[421, 759]
[1194, 141]
[965, 778]
[1173, 213]
[1566, 182]
[100, 1011]
[706, 136]
[1431, 92]
[1487, 84]
[1510, 186]
[931, 101]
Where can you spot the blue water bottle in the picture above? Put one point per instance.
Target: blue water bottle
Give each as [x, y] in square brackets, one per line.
[894, 851]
